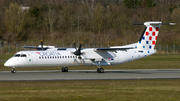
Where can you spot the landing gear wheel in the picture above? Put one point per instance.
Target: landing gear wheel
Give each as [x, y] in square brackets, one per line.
[64, 69]
[80, 57]
[13, 71]
[100, 70]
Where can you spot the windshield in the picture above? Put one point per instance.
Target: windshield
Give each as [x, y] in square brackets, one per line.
[17, 55]
[20, 55]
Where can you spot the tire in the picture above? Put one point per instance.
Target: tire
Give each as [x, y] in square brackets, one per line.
[98, 70]
[101, 70]
[13, 71]
[79, 57]
[63, 69]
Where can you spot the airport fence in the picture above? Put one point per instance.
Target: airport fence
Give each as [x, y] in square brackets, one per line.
[7, 49]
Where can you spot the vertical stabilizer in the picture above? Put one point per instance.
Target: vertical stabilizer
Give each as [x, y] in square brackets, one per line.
[149, 36]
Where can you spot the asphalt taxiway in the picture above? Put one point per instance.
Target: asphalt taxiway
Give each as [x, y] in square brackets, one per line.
[90, 75]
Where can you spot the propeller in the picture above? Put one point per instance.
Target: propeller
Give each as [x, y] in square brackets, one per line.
[42, 44]
[78, 51]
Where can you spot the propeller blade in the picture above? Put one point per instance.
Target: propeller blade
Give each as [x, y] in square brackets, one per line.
[75, 45]
[42, 44]
[78, 52]
[80, 46]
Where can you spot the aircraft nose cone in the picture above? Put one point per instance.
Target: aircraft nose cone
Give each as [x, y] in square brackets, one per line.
[8, 63]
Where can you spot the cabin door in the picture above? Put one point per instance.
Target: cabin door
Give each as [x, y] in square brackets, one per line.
[33, 58]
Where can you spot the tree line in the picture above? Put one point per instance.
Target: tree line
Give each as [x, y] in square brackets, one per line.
[106, 22]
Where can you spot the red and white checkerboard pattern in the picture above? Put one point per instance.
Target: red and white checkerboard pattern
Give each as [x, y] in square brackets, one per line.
[149, 38]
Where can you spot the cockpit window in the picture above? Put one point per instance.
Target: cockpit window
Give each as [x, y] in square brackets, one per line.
[17, 55]
[20, 55]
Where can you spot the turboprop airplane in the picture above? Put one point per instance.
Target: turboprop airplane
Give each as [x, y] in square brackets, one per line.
[51, 56]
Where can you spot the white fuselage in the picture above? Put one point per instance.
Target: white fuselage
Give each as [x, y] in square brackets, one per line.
[66, 58]
[89, 56]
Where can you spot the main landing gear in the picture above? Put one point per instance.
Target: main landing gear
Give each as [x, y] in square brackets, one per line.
[13, 70]
[99, 70]
[64, 69]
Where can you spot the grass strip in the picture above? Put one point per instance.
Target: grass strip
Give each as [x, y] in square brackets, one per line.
[99, 90]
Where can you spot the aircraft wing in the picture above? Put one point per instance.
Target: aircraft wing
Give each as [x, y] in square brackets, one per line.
[112, 49]
[44, 47]
[34, 47]
[61, 48]
[99, 53]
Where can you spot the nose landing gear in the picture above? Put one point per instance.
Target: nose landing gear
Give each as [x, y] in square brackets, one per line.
[13, 70]
[64, 69]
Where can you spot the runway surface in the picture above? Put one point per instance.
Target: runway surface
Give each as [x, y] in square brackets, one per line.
[90, 75]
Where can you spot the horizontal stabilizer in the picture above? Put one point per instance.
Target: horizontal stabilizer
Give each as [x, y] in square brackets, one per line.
[154, 23]
[168, 23]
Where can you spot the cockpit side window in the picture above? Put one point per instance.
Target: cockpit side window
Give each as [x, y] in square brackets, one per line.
[23, 55]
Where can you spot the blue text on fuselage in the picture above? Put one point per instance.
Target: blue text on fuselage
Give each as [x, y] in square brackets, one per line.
[48, 53]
